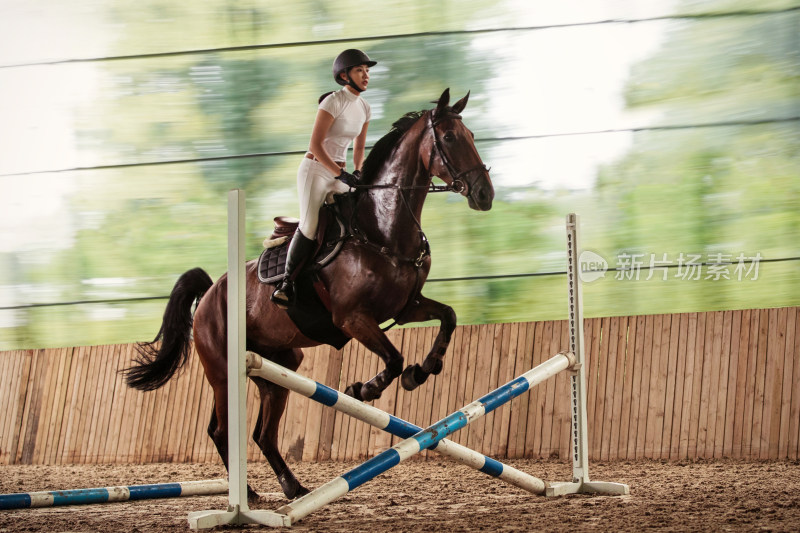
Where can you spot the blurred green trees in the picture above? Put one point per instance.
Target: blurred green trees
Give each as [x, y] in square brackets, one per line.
[178, 130]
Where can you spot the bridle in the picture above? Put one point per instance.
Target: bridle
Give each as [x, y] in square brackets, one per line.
[458, 185]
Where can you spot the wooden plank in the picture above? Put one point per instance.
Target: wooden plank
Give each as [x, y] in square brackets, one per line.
[424, 394]
[74, 401]
[722, 388]
[313, 416]
[655, 413]
[549, 387]
[508, 351]
[21, 390]
[601, 379]
[481, 386]
[788, 372]
[458, 365]
[117, 407]
[794, 412]
[661, 385]
[733, 377]
[371, 366]
[106, 395]
[339, 419]
[33, 409]
[200, 447]
[759, 398]
[644, 386]
[707, 385]
[679, 354]
[536, 397]
[671, 385]
[494, 420]
[610, 387]
[743, 340]
[697, 384]
[619, 388]
[52, 357]
[8, 366]
[716, 356]
[91, 399]
[590, 358]
[689, 392]
[629, 357]
[774, 384]
[22, 412]
[636, 385]
[53, 408]
[750, 389]
[519, 405]
[329, 415]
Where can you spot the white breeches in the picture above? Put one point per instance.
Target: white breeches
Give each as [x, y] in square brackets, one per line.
[314, 184]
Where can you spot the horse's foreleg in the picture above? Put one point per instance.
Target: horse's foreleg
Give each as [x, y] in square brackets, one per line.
[368, 332]
[421, 310]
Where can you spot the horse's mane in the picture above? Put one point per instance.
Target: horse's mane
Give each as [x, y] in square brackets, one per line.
[386, 144]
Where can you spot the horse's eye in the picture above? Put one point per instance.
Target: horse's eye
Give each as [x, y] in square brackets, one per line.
[449, 137]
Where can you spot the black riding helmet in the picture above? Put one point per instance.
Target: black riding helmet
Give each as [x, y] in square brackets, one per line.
[348, 59]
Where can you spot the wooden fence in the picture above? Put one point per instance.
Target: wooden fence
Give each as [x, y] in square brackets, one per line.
[694, 385]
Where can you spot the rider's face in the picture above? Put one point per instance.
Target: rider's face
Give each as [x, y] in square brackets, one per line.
[360, 76]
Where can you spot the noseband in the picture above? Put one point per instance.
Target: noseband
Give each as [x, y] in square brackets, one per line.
[459, 185]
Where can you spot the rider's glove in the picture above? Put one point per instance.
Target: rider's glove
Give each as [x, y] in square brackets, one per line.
[348, 179]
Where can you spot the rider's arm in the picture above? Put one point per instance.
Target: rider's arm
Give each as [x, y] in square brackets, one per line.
[358, 147]
[322, 124]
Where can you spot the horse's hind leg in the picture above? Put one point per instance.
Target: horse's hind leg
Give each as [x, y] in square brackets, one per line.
[219, 434]
[273, 403]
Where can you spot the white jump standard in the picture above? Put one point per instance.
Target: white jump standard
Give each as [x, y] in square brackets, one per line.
[431, 437]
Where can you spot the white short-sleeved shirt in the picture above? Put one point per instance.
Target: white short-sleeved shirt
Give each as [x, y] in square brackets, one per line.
[350, 113]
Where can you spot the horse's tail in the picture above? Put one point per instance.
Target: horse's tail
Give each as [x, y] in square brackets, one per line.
[158, 362]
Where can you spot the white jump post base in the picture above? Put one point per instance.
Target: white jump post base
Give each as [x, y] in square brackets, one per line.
[433, 437]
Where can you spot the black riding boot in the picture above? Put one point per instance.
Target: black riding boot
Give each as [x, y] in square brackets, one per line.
[299, 250]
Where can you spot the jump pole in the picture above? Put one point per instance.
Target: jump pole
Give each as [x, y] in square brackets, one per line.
[55, 498]
[258, 366]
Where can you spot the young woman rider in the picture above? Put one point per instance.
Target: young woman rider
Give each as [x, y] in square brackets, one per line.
[343, 116]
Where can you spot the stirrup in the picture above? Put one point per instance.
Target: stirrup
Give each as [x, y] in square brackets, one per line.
[283, 296]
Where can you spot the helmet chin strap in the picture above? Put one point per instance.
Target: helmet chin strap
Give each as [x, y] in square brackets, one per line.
[352, 84]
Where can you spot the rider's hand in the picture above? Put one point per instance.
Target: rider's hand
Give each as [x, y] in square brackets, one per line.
[357, 174]
[348, 179]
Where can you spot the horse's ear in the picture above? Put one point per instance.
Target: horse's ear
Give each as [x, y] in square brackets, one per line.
[443, 100]
[459, 106]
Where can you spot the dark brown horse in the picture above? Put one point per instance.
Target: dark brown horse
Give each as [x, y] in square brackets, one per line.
[376, 277]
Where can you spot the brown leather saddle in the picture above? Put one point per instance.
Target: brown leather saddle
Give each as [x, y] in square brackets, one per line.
[331, 235]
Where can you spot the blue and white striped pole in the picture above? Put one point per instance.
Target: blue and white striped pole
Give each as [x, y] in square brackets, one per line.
[258, 366]
[54, 498]
[296, 510]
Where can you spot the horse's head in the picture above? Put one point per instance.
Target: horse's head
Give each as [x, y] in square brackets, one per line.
[453, 156]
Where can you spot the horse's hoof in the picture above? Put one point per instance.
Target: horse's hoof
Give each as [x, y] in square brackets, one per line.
[413, 376]
[252, 496]
[370, 392]
[300, 492]
[434, 362]
[354, 391]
